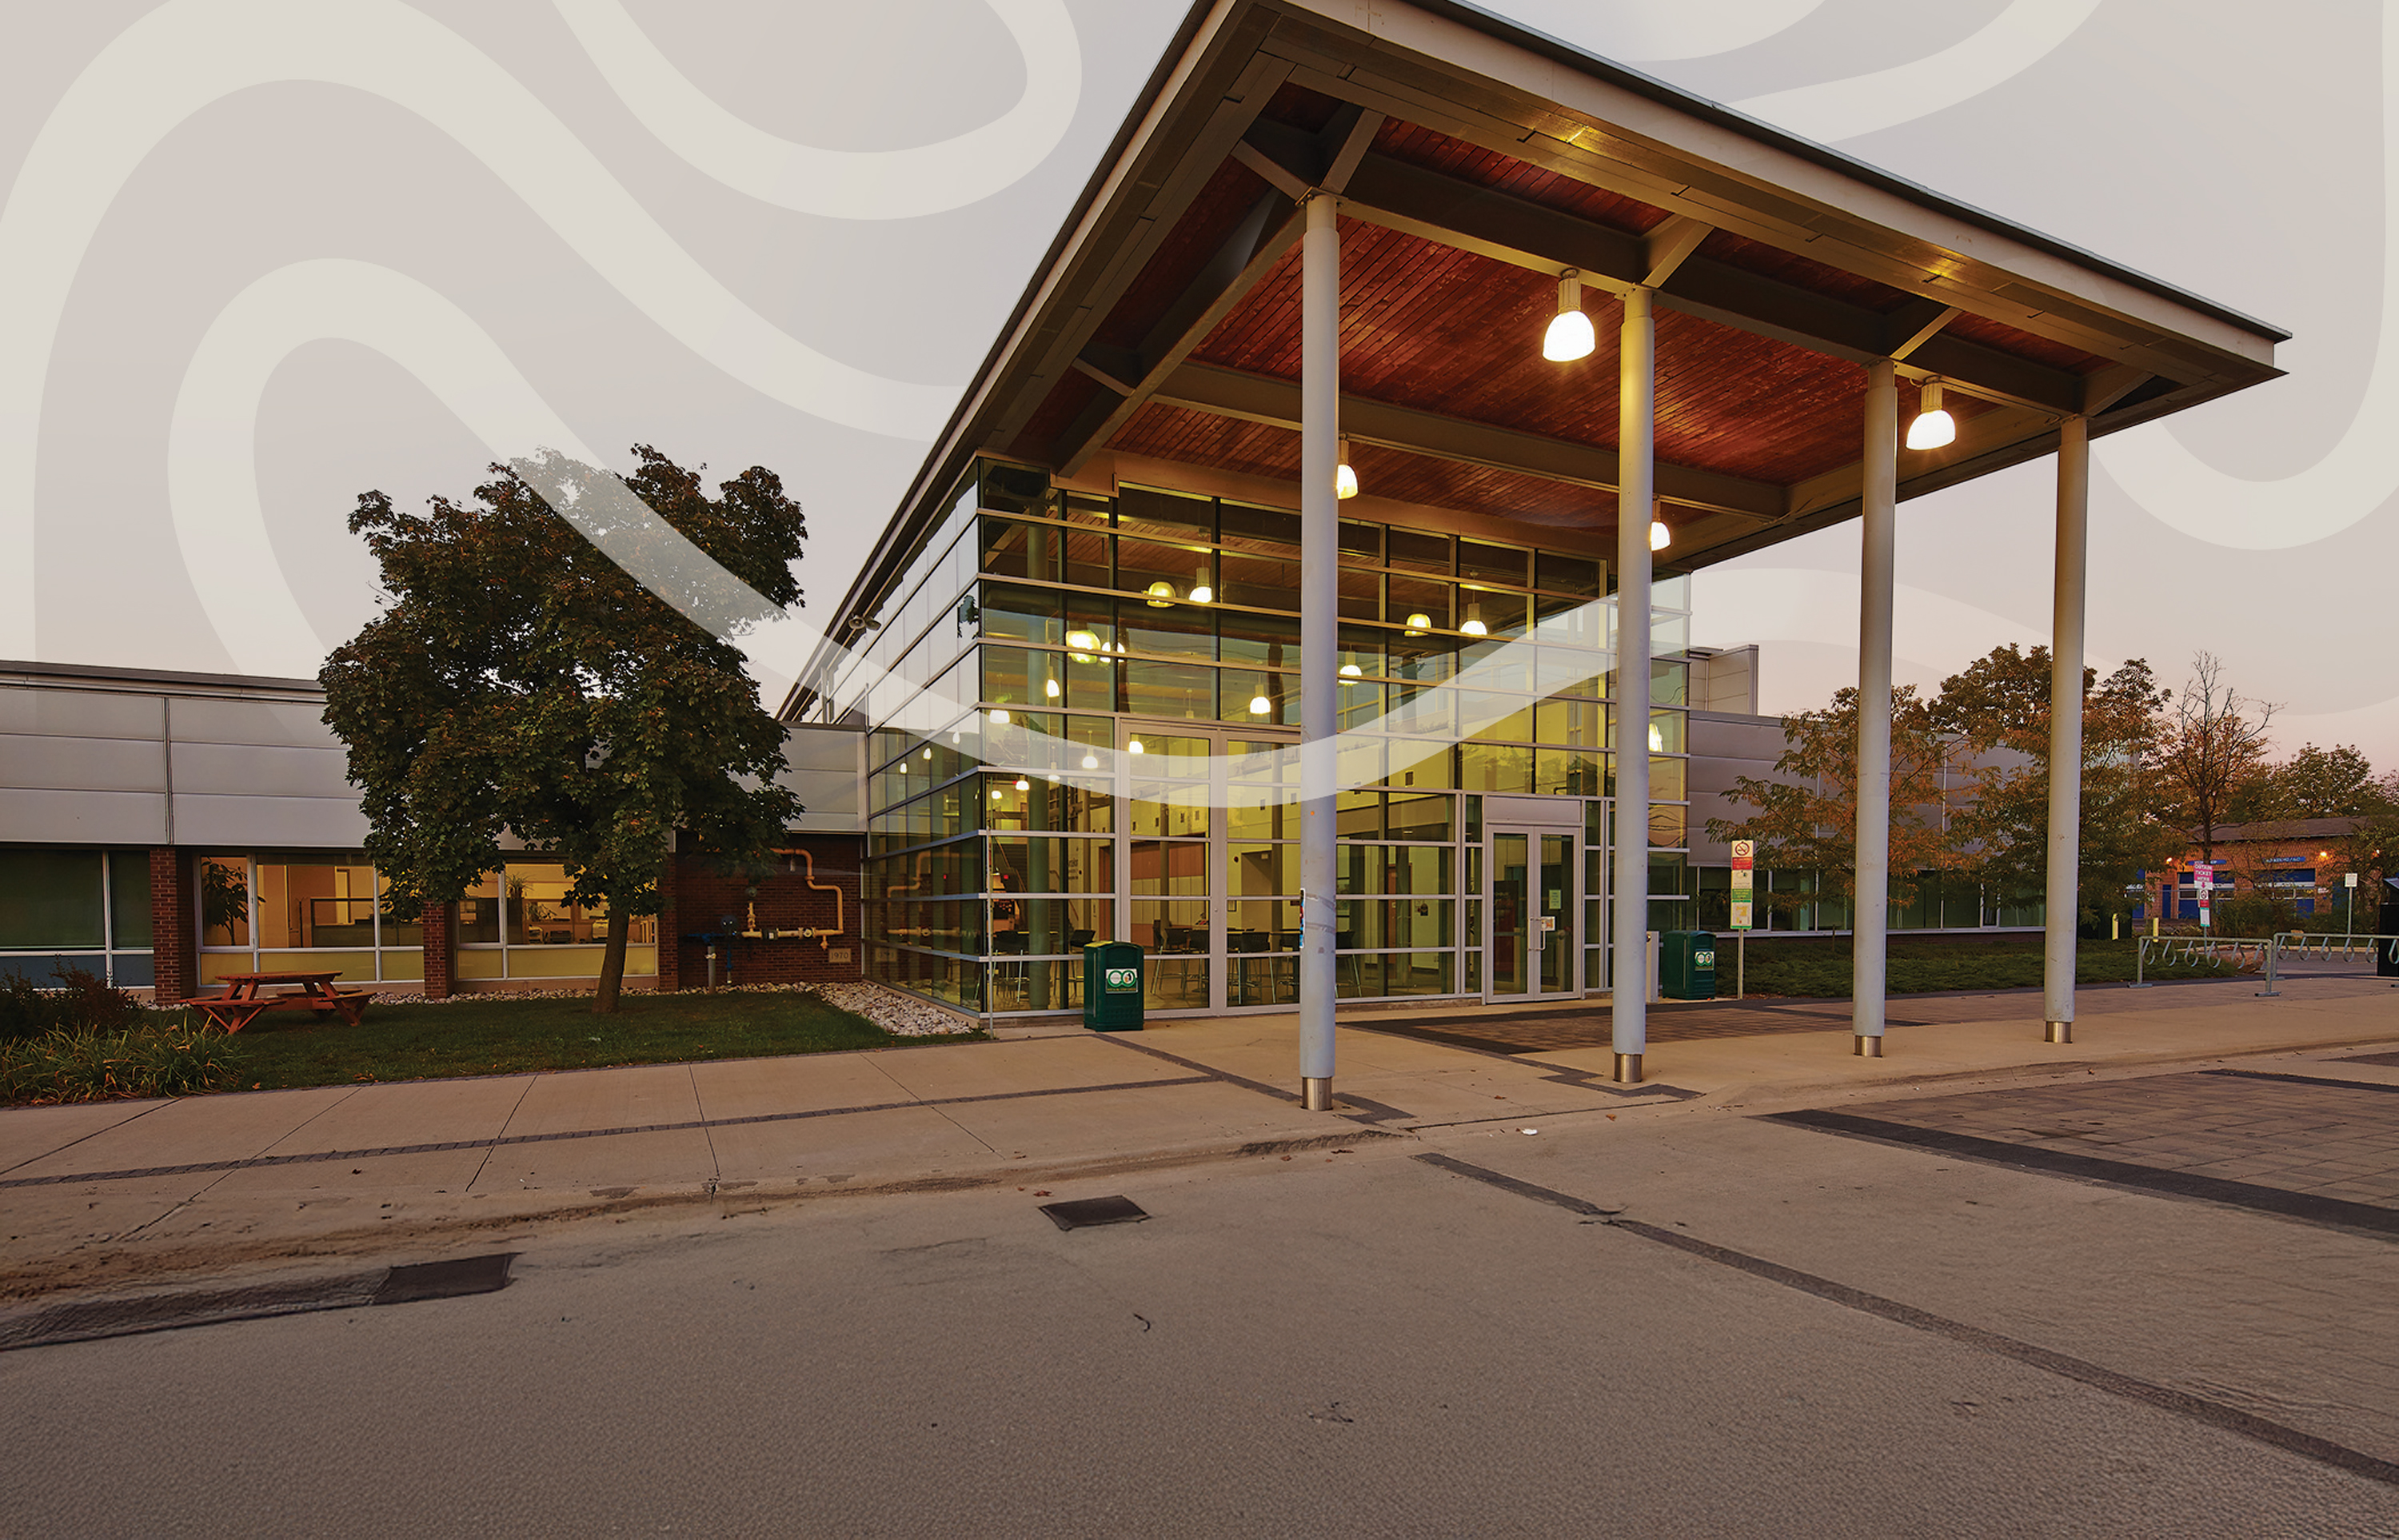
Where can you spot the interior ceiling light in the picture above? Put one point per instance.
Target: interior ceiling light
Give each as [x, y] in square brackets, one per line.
[1133, 747]
[1657, 739]
[1474, 626]
[1161, 595]
[1345, 479]
[1200, 591]
[1049, 688]
[1419, 624]
[1350, 668]
[1571, 335]
[1934, 428]
[1260, 706]
[1660, 536]
[929, 751]
[1083, 641]
[1090, 761]
[1024, 785]
[999, 716]
[994, 793]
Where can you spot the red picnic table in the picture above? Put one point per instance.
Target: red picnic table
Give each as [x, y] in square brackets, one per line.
[242, 1004]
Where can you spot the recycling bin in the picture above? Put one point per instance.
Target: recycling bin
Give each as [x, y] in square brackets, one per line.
[1112, 986]
[1687, 965]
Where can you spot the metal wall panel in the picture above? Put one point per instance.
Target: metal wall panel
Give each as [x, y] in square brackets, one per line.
[236, 823]
[32, 816]
[82, 764]
[265, 723]
[226, 769]
[81, 713]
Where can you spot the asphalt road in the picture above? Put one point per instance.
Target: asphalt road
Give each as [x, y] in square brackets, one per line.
[1788, 1333]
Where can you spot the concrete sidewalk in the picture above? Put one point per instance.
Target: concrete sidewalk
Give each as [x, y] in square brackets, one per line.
[103, 1194]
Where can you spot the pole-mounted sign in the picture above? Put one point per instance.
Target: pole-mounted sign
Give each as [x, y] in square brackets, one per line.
[1744, 861]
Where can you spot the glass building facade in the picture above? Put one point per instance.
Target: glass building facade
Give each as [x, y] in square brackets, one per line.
[76, 908]
[1084, 715]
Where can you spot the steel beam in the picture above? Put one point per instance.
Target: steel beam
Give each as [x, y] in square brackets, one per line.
[1261, 399]
[1870, 930]
[1320, 524]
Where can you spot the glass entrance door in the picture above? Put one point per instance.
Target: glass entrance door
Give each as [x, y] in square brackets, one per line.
[1210, 869]
[1533, 948]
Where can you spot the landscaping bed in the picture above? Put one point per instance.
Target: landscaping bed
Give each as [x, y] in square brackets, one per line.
[405, 1039]
[1821, 969]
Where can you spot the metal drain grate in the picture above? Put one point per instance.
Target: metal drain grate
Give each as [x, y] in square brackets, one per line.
[1094, 1210]
[445, 1280]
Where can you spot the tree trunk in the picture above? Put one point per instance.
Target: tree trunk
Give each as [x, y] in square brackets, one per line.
[612, 965]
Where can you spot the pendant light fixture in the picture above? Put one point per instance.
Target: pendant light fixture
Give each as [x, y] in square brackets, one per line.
[1090, 761]
[1345, 479]
[999, 717]
[1201, 591]
[1350, 668]
[1261, 707]
[1161, 595]
[1571, 335]
[1934, 428]
[1660, 536]
[1419, 624]
[1049, 688]
[1082, 645]
[1133, 747]
[1024, 785]
[1474, 626]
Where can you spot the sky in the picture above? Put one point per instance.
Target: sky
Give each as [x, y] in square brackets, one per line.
[258, 256]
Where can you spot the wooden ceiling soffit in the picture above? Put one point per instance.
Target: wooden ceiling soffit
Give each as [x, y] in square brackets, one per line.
[1539, 135]
[1119, 253]
[1451, 211]
[1258, 399]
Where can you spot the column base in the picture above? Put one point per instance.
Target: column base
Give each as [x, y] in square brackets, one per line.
[1628, 1068]
[1316, 1093]
[2057, 1032]
[1866, 1047]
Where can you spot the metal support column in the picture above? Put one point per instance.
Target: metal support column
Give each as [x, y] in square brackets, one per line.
[1636, 496]
[2066, 731]
[1320, 398]
[1878, 507]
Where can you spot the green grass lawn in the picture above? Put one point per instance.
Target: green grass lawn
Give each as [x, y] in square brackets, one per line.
[492, 1035]
[1821, 969]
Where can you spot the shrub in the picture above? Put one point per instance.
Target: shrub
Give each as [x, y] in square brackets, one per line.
[80, 1002]
[173, 1058]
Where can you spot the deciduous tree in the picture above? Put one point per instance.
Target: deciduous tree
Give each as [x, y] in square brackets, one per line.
[1807, 816]
[2214, 752]
[1999, 707]
[517, 678]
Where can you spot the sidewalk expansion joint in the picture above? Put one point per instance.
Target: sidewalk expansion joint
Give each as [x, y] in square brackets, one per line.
[504, 1140]
[2198, 1409]
[2282, 1203]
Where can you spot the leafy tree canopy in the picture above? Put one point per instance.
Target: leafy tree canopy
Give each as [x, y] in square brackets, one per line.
[520, 680]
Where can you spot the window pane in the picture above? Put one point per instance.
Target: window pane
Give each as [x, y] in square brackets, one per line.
[50, 899]
[1270, 531]
[1170, 514]
[1262, 871]
[1011, 550]
[1576, 574]
[1022, 613]
[224, 901]
[1022, 865]
[129, 897]
[1185, 690]
[315, 906]
[1263, 582]
[1491, 563]
[1161, 576]
[1413, 550]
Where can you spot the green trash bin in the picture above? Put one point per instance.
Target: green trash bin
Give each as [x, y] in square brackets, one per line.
[1687, 965]
[1112, 986]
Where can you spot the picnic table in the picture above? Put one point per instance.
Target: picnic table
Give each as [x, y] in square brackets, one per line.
[242, 1003]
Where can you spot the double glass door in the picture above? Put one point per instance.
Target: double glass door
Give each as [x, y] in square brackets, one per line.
[1210, 864]
[1533, 948]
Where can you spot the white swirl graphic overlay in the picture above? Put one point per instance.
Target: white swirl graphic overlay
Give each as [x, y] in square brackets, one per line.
[869, 185]
[213, 481]
[188, 53]
[2355, 478]
[2019, 37]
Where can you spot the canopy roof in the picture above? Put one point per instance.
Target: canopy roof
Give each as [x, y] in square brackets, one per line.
[1475, 162]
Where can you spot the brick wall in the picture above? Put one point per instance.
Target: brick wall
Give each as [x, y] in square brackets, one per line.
[697, 899]
[175, 925]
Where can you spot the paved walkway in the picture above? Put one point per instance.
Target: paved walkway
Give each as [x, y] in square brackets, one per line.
[98, 1191]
